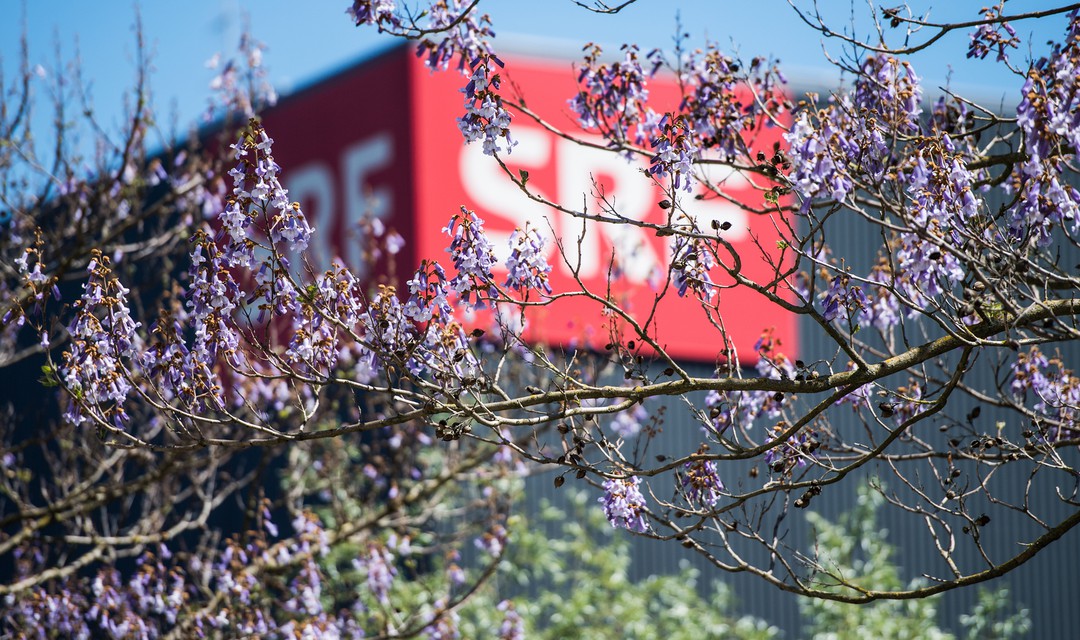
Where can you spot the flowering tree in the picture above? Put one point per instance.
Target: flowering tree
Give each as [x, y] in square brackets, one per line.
[388, 429]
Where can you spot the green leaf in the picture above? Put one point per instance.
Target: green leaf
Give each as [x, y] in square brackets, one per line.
[48, 378]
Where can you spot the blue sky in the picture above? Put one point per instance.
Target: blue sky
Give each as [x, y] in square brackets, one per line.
[309, 40]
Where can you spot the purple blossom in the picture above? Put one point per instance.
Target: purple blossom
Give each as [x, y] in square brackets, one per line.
[712, 103]
[909, 402]
[928, 269]
[473, 257]
[842, 298]
[103, 339]
[676, 151]
[242, 85]
[1054, 389]
[941, 188]
[378, 564]
[613, 98]
[628, 424]
[835, 147]
[793, 452]
[387, 330]
[445, 627]
[445, 353]
[742, 408]
[513, 625]
[884, 310]
[701, 483]
[992, 35]
[527, 268]
[394, 243]
[306, 590]
[485, 117]
[819, 169]
[624, 506]
[858, 398]
[453, 570]
[428, 294]
[889, 91]
[492, 542]
[379, 13]
[256, 182]
[1049, 118]
[690, 265]
[723, 410]
[467, 40]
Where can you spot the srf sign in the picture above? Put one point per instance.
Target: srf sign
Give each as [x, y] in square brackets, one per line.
[381, 140]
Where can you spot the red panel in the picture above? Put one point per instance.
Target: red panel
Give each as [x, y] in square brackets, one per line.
[344, 146]
[449, 175]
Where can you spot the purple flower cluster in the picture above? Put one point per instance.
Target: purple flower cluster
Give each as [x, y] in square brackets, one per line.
[378, 566]
[241, 86]
[819, 169]
[387, 330]
[624, 505]
[992, 35]
[795, 451]
[445, 627]
[843, 298]
[910, 402]
[492, 542]
[34, 280]
[473, 257]
[676, 150]
[887, 94]
[513, 625]
[213, 297]
[860, 397]
[627, 424]
[1049, 118]
[162, 591]
[527, 267]
[712, 102]
[941, 188]
[485, 117]
[742, 408]
[1054, 389]
[942, 204]
[103, 341]
[690, 266]
[428, 294]
[463, 36]
[723, 411]
[448, 31]
[941, 207]
[701, 483]
[445, 353]
[884, 310]
[332, 301]
[613, 98]
[847, 142]
[190, 373]
[258, 191]
[379, 13]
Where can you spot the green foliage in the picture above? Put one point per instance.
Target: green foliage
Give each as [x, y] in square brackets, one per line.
[990, 620]
[854, 554]
[575, 584]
